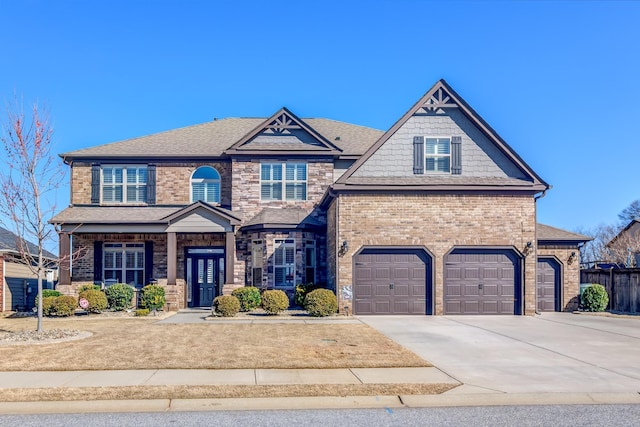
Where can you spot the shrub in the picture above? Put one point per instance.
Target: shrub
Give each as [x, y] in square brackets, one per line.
[249, 297]
[321, 303]
[96, 299]
[142, 312]
[153, 297]
[88, 287]
[594, 298]
[226, 305]
[47, 305]
[274, 301]
[301, 292]
[64, 305]
[119, 296]
[50, 293]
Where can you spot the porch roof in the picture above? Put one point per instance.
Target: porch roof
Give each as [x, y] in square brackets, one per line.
[292, 217]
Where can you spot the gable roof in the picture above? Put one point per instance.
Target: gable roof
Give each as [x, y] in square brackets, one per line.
[547, 233]
[628, 229]
[9, 243]
[211, 139]
[283, 132]
[441, 96]
[289, 217]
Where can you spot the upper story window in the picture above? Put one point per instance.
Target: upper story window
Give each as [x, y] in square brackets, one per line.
[283, 181]
[437, 155]
[205, 185]
[124, 184]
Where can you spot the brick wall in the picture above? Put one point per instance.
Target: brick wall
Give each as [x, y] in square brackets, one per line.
[439, 223]
[569, 275]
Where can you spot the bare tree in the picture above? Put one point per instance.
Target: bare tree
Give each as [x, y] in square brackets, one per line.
[630, 213]
[28, 180]
[596, 250]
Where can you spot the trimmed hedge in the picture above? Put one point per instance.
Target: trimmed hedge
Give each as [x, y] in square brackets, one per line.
[226, 305]
[119, 296]
[142, 312]
[249, 297]
[594, 298]
[321, 303]
[274, 301]
[153, 297]
[89, 287]
[47, 305]
[96, 299]
[64, 305]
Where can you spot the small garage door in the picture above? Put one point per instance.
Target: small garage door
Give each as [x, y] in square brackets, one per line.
[548, 285]
[481, 281]
[392, 282]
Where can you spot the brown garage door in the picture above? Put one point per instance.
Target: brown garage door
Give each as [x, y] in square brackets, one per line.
[548, 285]
[481, 281]
[392, 282]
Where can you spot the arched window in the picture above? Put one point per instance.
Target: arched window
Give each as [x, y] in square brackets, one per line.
[205, 185]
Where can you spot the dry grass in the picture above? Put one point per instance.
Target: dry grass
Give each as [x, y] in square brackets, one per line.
[140, 343]
[203, 392]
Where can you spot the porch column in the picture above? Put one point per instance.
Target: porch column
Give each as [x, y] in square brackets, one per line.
[64, 273]
[172, 259]
[230, 251]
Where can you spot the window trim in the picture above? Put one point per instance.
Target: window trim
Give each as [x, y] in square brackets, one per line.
[284, 181]
[206, 181]
[433, 156]
[124, 184]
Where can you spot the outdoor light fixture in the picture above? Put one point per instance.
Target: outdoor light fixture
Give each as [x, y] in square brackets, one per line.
[527, 249]
[572, 258]
[343, 248]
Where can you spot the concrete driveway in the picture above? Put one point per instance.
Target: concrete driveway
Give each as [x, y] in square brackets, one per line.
[552, 352]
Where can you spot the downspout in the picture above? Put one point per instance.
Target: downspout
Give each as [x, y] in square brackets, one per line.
[535, 264]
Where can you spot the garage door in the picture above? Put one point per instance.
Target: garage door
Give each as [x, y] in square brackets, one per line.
[481, 281]
[392, 282]
[548, 285]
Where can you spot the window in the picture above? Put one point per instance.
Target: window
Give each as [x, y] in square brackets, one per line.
[257, 262]
[437, 155]
[124, 263]
[122, 184]
[284, 263]
[310, 262]
[205, 185]
[292, 175]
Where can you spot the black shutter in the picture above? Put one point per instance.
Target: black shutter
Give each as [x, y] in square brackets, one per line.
[95, 183]
[151, 184]
[148, 262]
[456, 155]
[418, 155]
[97, 261]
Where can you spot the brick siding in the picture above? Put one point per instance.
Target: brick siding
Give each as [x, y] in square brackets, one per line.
[570, 274]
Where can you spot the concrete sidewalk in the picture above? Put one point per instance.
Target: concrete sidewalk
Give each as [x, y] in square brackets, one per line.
[155, 377]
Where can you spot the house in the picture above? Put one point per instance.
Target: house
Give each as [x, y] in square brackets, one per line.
[18, 284]
[624, 247]
[437, 215]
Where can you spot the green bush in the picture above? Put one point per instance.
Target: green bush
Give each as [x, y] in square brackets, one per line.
[142, 312]
[119, 296]
[47, 305]
[96, 299]
[88, 287]
[249, 297]
[301, 292]
[50, 293]
[226, 305]
[63, 305]
[594, 298]
[153, 297]
[274, 301]
[321, 303]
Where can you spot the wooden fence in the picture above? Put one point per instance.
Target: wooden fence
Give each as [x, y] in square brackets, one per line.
[622, 285]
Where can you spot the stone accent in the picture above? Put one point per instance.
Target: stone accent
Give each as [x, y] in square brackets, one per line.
[569, 275]
[438, 223]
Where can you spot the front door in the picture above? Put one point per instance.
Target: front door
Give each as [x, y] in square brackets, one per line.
[206, 275]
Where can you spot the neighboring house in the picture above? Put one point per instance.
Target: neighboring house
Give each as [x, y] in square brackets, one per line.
[624, 248]
[18, 284]
[435, 216]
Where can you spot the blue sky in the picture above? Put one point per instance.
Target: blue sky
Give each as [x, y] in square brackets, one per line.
[559, 81]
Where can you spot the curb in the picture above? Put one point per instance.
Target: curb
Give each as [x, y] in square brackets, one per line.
[346, 402]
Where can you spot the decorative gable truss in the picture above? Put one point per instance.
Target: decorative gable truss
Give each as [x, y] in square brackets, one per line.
[283, 133]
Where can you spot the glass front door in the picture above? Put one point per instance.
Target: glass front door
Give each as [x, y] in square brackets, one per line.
[205, 275]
